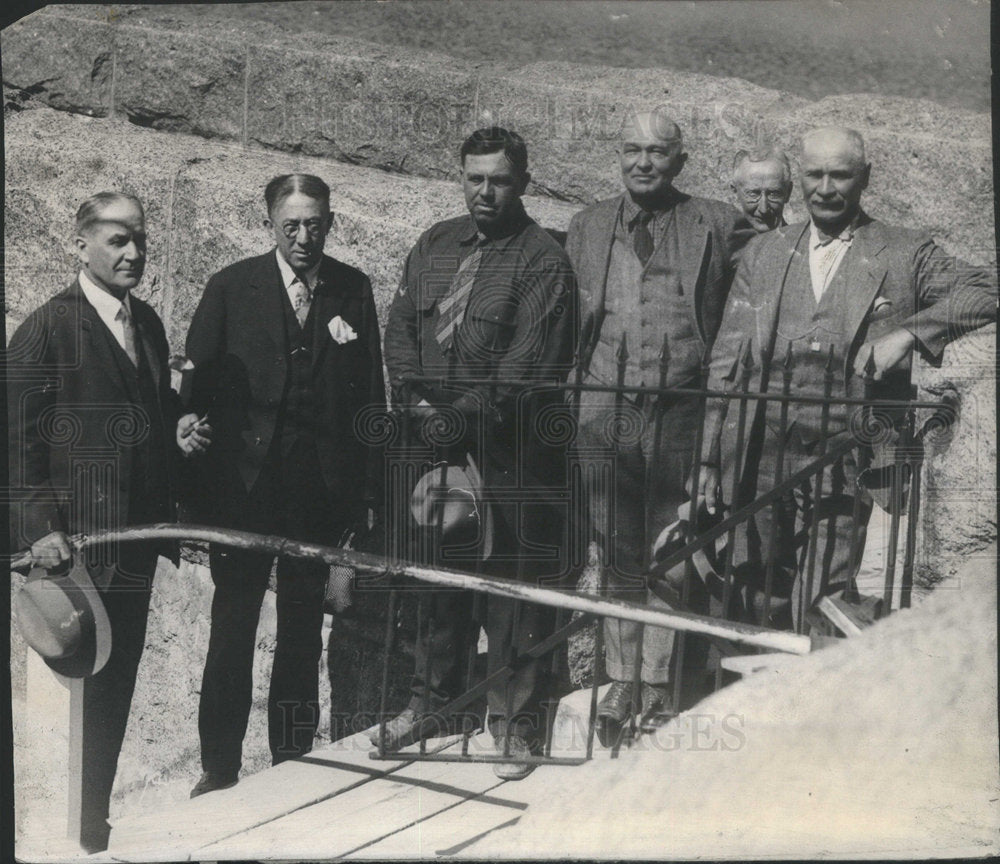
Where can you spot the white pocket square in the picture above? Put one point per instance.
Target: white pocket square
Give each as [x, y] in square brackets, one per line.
[341, 331]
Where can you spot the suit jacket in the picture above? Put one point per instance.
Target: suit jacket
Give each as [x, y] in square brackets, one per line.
[72, 399]
[711, 233]
[239, 346]
[900, 279]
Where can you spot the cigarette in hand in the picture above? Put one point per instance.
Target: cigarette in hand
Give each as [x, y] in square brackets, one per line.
[196, 425]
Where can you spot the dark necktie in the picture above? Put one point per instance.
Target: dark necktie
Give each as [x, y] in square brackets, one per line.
[642, 237]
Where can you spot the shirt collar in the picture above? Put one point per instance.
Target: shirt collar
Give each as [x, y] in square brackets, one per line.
[845, 236]
[288, 275]
[633, 211]
[106, 304]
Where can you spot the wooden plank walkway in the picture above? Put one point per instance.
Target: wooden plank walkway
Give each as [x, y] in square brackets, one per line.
[332, 803]
[338, 802]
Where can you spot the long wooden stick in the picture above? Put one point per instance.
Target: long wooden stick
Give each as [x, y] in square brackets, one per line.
[748, 634]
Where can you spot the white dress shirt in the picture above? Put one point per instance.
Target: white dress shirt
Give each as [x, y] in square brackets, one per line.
[825, 257]
[288, 276]
[108, 306]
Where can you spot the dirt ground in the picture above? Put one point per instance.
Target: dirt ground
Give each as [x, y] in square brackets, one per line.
[813, 48]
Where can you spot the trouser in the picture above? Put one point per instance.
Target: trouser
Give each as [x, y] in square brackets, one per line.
[630, 501]
[793, 590]
[452, 620]
[289, 498]
[107, 696]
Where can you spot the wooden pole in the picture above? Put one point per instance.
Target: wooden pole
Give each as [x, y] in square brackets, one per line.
[747, 634]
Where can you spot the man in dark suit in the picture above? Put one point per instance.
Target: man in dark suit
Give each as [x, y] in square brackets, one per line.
[842, 281]
[650, 262]
[488, 294]
[286, 352]
[91, 420]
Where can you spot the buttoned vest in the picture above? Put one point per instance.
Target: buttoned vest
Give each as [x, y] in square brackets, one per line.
[812, 328]
[300, 410]
[645, 302]
[148, 480]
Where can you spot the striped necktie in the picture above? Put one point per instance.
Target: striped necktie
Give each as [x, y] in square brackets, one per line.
[301, 297]
[452, 307]
[128, 329]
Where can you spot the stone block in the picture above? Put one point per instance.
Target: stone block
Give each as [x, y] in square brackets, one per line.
[372, 112]
[63, 62]
[180, 82]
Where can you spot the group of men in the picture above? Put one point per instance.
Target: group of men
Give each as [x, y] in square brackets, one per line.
[286, 352]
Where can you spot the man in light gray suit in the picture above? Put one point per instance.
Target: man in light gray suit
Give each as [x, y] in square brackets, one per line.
[841, 282]
[653, 260]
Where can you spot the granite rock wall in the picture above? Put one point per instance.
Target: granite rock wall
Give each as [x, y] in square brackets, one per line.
[407, 111]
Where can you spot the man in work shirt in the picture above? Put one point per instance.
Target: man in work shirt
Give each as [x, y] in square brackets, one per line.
[487, 294]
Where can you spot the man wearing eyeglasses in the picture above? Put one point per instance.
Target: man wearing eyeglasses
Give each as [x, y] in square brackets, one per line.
[653, 261]
[838, 291]
[762, 184]
[286, 352]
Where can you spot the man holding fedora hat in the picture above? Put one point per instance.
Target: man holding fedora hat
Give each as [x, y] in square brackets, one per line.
[92, 420]
[488, 294]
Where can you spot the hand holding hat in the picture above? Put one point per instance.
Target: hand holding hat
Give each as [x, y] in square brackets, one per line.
[62, 617]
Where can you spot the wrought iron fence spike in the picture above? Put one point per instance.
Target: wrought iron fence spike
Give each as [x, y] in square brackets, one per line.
[870, 364]
[623, 348]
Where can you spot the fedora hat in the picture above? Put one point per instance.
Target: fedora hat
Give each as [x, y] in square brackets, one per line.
[454, 494]
[63, 618]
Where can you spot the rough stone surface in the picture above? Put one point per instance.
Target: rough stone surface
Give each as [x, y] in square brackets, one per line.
[407, 111]
[204, 205]
[883, 745]
[959, 501]
[67, 62]
[176, 83]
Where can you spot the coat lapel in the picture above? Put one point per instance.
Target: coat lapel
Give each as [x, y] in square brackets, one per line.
[328, 302]
[268, 289]
[775, 280]
[692, 235]
[146, 343]
[865, 271]
[97, 339]
[601, 239]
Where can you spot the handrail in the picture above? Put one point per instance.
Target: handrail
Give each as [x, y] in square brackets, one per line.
[747, 634]
[649, 391]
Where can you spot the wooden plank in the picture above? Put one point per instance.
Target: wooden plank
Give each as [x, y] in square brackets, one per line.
[254, 801]
[835, 615]
[354, 820]
[454, 832]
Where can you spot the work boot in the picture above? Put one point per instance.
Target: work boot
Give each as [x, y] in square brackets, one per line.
[612, 712]
[657, 707]
[407, 728]
[212, 781]
[518, 749]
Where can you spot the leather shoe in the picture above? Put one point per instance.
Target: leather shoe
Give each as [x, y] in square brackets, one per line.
[518, 749]
[408, 727]
[657, 707]
[212, 781]
[612, 712]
